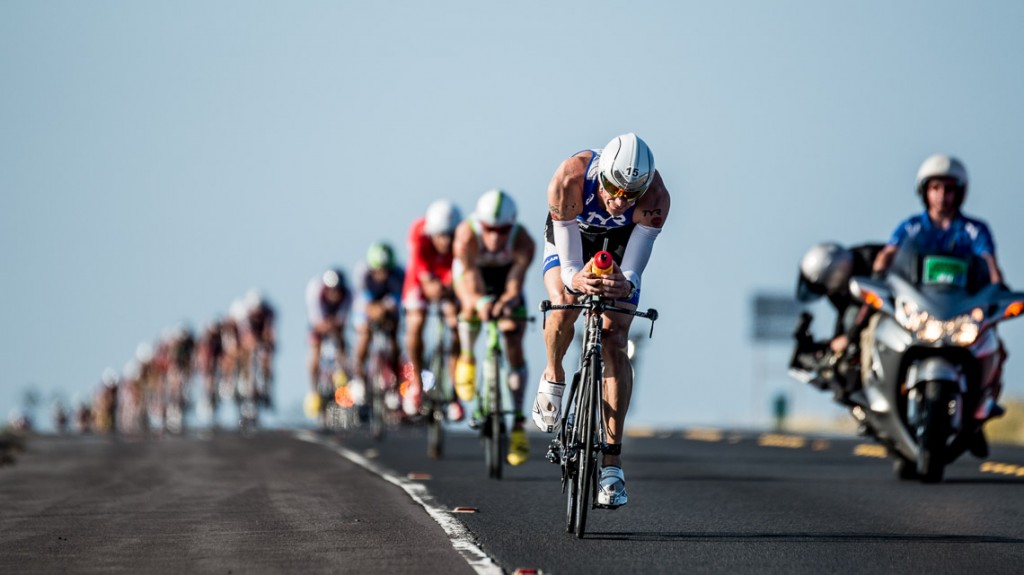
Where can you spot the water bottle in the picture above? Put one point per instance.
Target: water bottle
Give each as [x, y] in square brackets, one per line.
[603, 263]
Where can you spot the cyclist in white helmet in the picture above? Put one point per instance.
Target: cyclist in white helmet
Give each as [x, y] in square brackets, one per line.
[328, 302]
[611, 195]
[492, 253]
[428, 279]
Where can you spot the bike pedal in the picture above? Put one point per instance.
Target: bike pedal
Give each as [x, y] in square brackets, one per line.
[554, 454]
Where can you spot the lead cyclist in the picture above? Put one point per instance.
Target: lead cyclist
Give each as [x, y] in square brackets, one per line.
[614, 195]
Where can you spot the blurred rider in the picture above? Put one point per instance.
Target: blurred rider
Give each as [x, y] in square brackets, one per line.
[257, 332]
[428, 280]
[492, 253]
[611, 195]
[378, 296]
[210, 350]
[328, 301]
[825, 270]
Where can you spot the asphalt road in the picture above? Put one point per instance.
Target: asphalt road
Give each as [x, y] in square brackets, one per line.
[736, 503]
[699, 503]
[224, 504]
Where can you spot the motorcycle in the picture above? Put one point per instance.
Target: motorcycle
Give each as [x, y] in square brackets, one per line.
[933, 374]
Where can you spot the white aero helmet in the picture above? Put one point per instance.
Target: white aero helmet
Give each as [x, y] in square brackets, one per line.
[442, 217]
[942, 166]
[495, 208]
[628, 164]
[824, 269]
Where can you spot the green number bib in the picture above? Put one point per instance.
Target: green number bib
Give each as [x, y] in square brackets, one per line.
[944, 271]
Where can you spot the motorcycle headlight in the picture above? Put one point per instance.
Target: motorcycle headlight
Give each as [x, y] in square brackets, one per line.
[965, 328]
[962, 330]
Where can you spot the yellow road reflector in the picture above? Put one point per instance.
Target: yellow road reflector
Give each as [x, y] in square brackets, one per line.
[640, 432]
[780, 440]
[703, 435]
[820, 445]
[1002, 468]
[870, 450]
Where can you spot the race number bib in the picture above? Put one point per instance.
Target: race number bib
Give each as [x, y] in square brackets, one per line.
[939, 270]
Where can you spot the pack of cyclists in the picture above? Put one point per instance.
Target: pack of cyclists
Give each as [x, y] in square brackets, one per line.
[459, 274]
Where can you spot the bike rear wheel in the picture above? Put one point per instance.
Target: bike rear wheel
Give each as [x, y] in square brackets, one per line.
[437, 399]
[378, 410]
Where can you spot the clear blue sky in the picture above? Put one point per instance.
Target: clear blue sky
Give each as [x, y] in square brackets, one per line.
[159, 159]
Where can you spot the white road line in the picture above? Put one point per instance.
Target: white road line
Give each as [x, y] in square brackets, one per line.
[460, 537]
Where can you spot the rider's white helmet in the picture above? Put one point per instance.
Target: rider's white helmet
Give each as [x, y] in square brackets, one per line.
[942, 166]
[144, 352]
[442, 218]
[627, 163]
[495, 208]
[253, 299]
[824, 269]
[236, 310]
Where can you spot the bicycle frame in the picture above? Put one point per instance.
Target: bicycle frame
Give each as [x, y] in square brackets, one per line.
[494, 438]
[582, 433]
[381, 376]
[438, 395]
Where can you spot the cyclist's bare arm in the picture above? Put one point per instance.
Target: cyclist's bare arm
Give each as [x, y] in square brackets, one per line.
[565, 202]
[466, 250]
[523, 251]
[652, 208]
[649, 215]
[565, 191]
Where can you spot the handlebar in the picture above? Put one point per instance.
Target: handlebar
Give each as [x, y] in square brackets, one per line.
[599, 305]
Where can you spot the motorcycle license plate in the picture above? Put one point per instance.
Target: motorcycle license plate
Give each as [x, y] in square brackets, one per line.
[945, 271]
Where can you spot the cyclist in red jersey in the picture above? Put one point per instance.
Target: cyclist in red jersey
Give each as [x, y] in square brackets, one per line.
[428, 279]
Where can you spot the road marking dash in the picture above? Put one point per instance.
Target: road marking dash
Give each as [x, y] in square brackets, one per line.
[870, 450]
[701, 434]
[780, 440]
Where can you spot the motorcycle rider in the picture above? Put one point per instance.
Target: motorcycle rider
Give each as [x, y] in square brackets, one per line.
[825, 270]
[942, 186]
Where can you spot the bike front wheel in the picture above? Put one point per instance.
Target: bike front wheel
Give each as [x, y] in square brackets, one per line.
[588, 420]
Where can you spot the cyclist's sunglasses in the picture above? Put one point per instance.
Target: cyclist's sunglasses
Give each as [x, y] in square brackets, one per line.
[500, 230]
[617, 192]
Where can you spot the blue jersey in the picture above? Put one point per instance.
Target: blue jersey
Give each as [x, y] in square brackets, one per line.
[594, 218]
[965, 236]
